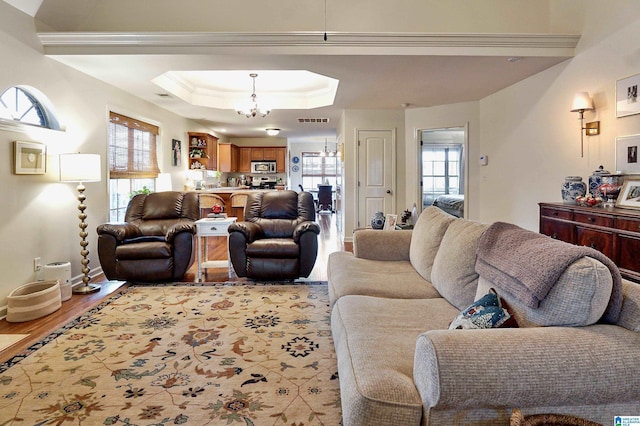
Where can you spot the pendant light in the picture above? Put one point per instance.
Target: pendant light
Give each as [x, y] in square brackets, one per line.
[254, 110]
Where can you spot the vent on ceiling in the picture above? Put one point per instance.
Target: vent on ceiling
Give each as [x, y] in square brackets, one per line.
[313, 120]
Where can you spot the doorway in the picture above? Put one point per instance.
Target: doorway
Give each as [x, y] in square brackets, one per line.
[443, 169]
[376, 173]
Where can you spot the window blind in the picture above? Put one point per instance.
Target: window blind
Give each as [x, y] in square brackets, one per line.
[132, 148]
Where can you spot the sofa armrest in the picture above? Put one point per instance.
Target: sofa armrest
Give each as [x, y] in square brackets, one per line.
[175, 229]
[527, 367]
[381, 245]
[120, 231]
[306, 226]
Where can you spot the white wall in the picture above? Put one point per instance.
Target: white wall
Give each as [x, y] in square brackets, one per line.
[351, 122]
[39, 216]
[531, 137]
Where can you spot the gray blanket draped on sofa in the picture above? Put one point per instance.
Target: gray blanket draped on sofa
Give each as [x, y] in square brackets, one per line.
[527, 264]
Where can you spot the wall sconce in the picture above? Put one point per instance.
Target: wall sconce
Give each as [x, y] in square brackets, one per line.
[582, 102]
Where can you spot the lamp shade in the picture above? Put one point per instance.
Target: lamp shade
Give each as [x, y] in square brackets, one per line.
[582, 102]
[80, 168]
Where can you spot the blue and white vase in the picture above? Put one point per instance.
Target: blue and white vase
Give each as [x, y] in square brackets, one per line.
[595, 180]
[572, 188]
[377, 220]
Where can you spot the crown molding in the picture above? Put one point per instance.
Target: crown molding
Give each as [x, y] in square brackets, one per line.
[367, 43]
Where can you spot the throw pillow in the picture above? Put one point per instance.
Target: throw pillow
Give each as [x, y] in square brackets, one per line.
[487, 312]
[425, 239]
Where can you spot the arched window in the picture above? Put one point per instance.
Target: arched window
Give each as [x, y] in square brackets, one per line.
[28, 105]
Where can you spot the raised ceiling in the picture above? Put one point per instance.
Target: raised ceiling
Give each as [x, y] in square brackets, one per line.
[384, 54]
[282, 89]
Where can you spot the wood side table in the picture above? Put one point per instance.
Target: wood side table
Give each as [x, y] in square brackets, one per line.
[212, 227]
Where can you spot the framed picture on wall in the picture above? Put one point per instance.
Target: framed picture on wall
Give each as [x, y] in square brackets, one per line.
[30, 158]
[627, 101]
[627, 160]
[176, 152]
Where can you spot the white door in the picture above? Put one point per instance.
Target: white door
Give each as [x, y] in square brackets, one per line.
[376, 174]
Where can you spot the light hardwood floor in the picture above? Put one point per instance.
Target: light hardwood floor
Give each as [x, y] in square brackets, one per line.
[328, 242]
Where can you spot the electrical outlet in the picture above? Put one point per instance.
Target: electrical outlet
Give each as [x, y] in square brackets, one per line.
[37, 266]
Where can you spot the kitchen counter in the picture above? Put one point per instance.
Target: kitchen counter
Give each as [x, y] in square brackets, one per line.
[226, 189]
[225, 192]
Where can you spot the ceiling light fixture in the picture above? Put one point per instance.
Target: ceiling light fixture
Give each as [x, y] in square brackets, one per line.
[326, 152]
[272, 131]
[254, 110]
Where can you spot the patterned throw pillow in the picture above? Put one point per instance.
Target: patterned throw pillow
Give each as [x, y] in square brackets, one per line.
[489, 311]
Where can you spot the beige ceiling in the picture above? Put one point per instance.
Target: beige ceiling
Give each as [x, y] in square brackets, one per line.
[383, 53]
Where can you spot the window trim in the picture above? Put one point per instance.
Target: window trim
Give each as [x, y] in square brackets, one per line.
[43, 106]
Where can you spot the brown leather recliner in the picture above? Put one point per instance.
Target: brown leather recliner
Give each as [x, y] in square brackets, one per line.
[278, 238]
[156, 242]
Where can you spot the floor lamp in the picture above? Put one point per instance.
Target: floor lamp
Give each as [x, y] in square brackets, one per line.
[82, 168]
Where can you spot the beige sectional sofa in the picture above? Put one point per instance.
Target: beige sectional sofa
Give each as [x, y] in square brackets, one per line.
[399, 364]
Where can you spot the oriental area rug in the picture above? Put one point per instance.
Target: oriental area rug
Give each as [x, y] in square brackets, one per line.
[193, 354]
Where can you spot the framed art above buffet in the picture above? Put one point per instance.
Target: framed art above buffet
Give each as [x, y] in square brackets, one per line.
[627, 160]
[627, 102]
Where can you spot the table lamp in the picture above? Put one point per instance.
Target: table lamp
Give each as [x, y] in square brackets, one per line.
[82, 168]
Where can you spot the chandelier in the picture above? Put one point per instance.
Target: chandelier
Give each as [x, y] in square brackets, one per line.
[254, 109]
[326, 152]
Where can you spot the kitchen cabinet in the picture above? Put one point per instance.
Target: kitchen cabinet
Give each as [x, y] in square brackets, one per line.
[269, 153]
[613, 231]
[203, 151]
[281, 160]
[244, 160]
[228, 158]
[248, 154]
[257, 154]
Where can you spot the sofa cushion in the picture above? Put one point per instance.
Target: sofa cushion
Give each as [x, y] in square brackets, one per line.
[579, 297]
[348, 274]
[453, 273]
[375, 341]
[487, 312]
[425, 241]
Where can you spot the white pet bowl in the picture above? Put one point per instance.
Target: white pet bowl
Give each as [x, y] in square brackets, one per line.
[33, 300]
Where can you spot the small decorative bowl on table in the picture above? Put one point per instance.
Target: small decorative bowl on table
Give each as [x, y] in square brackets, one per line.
[589, 201]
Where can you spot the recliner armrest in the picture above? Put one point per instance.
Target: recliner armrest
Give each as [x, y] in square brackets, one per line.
[251, 231]
[179, 227]
[120, 231]
[307, 226]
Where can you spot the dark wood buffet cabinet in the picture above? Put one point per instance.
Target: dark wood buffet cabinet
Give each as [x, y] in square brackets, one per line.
[610, 230]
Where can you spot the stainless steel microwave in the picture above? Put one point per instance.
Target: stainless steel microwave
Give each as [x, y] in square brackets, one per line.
[263, 167]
